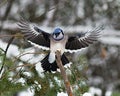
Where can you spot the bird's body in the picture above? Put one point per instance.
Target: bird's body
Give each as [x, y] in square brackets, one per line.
[57, 41]
[56, 45]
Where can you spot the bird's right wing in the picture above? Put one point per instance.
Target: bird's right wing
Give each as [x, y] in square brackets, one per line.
[34, 34]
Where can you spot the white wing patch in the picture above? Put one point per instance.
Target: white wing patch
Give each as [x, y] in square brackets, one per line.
[38, 46]
[74, 51]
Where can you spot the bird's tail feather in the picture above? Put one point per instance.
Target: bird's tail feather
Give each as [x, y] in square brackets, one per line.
[52, 66]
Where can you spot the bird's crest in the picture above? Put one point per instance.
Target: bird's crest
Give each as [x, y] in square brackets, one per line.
[57, 30]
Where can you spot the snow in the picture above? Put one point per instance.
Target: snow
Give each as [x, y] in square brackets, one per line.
[95, 91]
[51, 84]
[91, 92]
[21, 80]
[10, 75]
[27, 56]
[28, 74]
[10, 25]
[105, 6]
[110, 40]
[68, 71]
[62, 94]
[12, 51]
[80, 9]
[38, 85]
[20, 68]
[28, 92]
[108, 93]
[96, 80]
[58, 81]
[2, 8]
[71, 29]
[39, 69]
[87, 94]
[24, 3]
[49, 17]
[109, 35]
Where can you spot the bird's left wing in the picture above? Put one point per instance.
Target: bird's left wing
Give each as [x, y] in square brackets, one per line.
[34, 34]
[83, 39]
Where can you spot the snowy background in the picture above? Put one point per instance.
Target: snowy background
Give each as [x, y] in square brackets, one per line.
[95, 70]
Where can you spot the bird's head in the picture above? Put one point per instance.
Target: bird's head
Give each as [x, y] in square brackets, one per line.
[58, 34]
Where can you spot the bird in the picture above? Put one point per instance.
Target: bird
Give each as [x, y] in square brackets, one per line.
[57, 40]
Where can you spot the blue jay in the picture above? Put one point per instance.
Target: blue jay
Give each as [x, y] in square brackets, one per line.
[57, 40]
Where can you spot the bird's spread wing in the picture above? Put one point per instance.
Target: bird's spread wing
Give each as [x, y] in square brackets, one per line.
[83, 39]
[34, 34]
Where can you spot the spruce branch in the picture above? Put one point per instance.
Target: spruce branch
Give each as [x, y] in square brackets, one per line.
[63, 73]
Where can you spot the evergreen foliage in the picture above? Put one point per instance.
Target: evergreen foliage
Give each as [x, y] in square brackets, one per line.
[48, 85]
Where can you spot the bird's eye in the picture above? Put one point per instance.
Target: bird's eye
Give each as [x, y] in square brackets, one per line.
[57, 33]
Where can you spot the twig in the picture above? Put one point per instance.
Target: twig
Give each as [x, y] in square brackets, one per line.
[4, 58]
[63, 73]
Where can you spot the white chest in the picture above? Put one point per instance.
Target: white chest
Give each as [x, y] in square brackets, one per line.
[57, 46]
